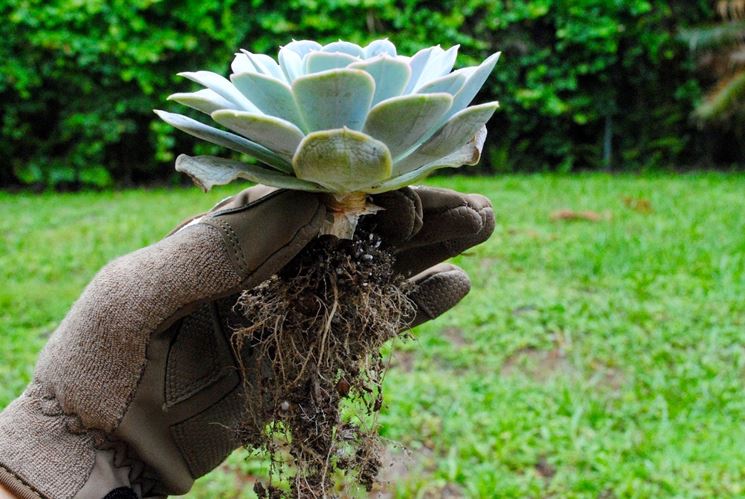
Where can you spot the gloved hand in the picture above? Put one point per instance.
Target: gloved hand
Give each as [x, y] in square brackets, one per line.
[137, 392]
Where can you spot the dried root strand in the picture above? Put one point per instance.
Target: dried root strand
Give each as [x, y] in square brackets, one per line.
[313, 343]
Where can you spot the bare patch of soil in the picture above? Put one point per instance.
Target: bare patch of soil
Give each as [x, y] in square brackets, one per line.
[543, 365]
[395, 466]
[448, 491]
[538, 365]
[398, 464]
[456, 336]
[402, 360]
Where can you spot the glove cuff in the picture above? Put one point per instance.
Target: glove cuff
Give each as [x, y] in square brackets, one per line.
[47, 454]
[16, 486]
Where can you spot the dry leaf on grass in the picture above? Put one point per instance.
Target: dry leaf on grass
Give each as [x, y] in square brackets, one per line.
[571, 215]
[642, 205]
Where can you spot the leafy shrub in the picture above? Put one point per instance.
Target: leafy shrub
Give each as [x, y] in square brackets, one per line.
[79, 78]
[720, 52]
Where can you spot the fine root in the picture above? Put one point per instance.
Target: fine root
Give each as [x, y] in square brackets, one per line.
[312, 365]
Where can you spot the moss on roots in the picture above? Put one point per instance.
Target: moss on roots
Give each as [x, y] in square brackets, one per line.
[313, 345]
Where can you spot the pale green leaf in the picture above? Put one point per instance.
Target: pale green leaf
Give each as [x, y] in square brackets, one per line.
[208, 171]
[265, 65]
[390, 75]
[269, 95]
[418, 62]
[458, 131]
[450, 84]
[344, 48]
[469, 154]
[380, 47]
[324, 61]
[225, 139]
[438, 64]
[342, 160]
[401, 121]
[221, 86]
[241, 64]
[303, 47]
[204, 100]
[278, 135]
[475, 79]
[334, 99]
[291, 63]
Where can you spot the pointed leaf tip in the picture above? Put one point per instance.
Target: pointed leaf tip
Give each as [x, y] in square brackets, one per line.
[401, 121]
[209, 171]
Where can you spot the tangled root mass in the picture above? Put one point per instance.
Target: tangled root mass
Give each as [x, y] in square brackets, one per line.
[312, 348]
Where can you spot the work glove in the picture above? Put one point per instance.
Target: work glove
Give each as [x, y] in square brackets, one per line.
[137, 393]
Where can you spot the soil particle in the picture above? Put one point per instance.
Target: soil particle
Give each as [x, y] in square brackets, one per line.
[544, 468]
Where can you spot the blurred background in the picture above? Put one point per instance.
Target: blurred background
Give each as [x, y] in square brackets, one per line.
[601, 352]
[584, 84]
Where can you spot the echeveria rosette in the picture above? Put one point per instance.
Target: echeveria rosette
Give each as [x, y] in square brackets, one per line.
[338, 118]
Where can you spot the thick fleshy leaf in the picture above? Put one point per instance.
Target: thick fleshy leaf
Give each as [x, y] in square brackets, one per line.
[334, 99]
[438, 64]
[380, 47]
[221, 86]
[303, 47]
[450, 84]
[342, 160]
[278, 135]
[452, 136]
[447, 60]
[476, 78]
[241, 64]
[265, 65]
[208, 171]
[225, 139]
[345, 48]
[467, 71]
[269, 95]
[204, 100]
[469, 154]
[324, 61]
[291, 63]
[418, 62]
[390, 75]
[401, 121]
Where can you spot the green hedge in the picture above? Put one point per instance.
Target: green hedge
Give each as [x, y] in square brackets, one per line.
[79, 78]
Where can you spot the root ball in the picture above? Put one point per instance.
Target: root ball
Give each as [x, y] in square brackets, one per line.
[313, 349]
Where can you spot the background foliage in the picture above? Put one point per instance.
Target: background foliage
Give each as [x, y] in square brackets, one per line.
[720, 50]
[578, 78]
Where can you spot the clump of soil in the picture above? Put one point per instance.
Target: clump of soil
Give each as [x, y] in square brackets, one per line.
[314, 346]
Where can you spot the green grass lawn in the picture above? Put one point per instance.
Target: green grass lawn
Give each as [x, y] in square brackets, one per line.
[592, 359]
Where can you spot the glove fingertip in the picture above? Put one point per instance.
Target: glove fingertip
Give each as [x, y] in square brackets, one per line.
[401, 217]
[437, 290]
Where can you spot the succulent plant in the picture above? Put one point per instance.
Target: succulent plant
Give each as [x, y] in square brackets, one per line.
[337, 118]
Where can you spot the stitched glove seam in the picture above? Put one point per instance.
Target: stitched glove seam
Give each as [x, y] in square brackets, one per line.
[19, 481]
[235, 246]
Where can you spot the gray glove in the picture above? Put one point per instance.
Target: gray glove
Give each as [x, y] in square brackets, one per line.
[136, 394]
